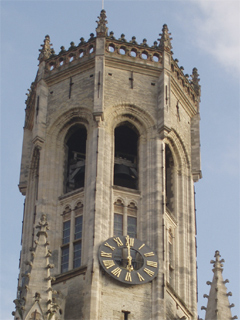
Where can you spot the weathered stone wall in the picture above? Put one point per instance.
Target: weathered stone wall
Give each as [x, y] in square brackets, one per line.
[127, 92]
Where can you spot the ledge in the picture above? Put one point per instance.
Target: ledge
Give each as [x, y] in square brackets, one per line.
[71, 193]
[70, 274]
[125, 189]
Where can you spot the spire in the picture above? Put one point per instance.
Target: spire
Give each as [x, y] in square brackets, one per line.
[35, 300]
[218, 307]
[46, 50]
[102, 29]
[165, 40]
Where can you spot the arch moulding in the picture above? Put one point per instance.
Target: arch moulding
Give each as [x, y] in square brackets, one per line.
[65, 121]
[179, 152]
[139, 118]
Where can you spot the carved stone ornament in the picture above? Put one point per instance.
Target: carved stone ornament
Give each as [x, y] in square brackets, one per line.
[165, 40]
[195, 81]
[46, 50]
[102, 28]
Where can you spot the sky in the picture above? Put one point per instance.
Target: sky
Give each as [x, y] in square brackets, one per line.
[206, 35]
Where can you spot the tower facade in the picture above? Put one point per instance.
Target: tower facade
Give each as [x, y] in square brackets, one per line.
[110, 155]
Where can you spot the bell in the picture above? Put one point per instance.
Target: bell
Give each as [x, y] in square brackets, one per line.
[121, 169]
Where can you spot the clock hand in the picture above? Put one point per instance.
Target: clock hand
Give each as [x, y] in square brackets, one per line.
[129, 257]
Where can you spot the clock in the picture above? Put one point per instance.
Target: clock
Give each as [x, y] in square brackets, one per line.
[128, 260]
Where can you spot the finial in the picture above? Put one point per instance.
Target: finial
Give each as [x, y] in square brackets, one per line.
[197, 87]
[133, 41]
[72, 46]
[82, 41]
[165, 40]
[217, 264]
[101, 28]
[144, 43]
[62, 49]
[46, 50]
[122, 38]
[112, 35]
[91, 36]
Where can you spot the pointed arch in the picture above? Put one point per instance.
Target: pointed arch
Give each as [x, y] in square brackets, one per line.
[178, 149]
[69, 144]
[126, 112]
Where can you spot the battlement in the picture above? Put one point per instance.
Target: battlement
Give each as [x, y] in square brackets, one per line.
[75, 54]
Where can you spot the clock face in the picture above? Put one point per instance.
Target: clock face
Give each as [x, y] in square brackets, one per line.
[128, 260]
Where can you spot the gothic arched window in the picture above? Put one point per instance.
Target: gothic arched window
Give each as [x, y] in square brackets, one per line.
[126, 157]
[75, 158]
[125, 219]
[169, 179]
[71, 249]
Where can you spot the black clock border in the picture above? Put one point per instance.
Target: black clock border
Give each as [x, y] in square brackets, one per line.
[134, 276]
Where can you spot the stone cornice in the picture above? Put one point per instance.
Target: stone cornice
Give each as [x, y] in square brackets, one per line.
[64, 72]
[128, 64]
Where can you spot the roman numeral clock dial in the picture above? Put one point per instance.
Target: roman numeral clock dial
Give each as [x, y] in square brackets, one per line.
[128, 260]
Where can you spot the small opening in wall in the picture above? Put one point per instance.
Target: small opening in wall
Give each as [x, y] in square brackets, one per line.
[71, 59]
[81, 53]
[153, 83]
[52, 67]
[111, 48]
[61, 62]
[91, 49]
[133, 53]
[91, 75]
[155, 57]
[144, 55]
[110, 74]
[122, 51]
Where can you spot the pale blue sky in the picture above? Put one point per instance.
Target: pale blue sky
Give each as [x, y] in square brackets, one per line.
[205, 35]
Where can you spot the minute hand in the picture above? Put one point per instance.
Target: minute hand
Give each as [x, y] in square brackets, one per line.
[129, 257]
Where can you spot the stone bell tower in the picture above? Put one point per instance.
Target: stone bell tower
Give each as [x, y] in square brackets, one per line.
[110, 155]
